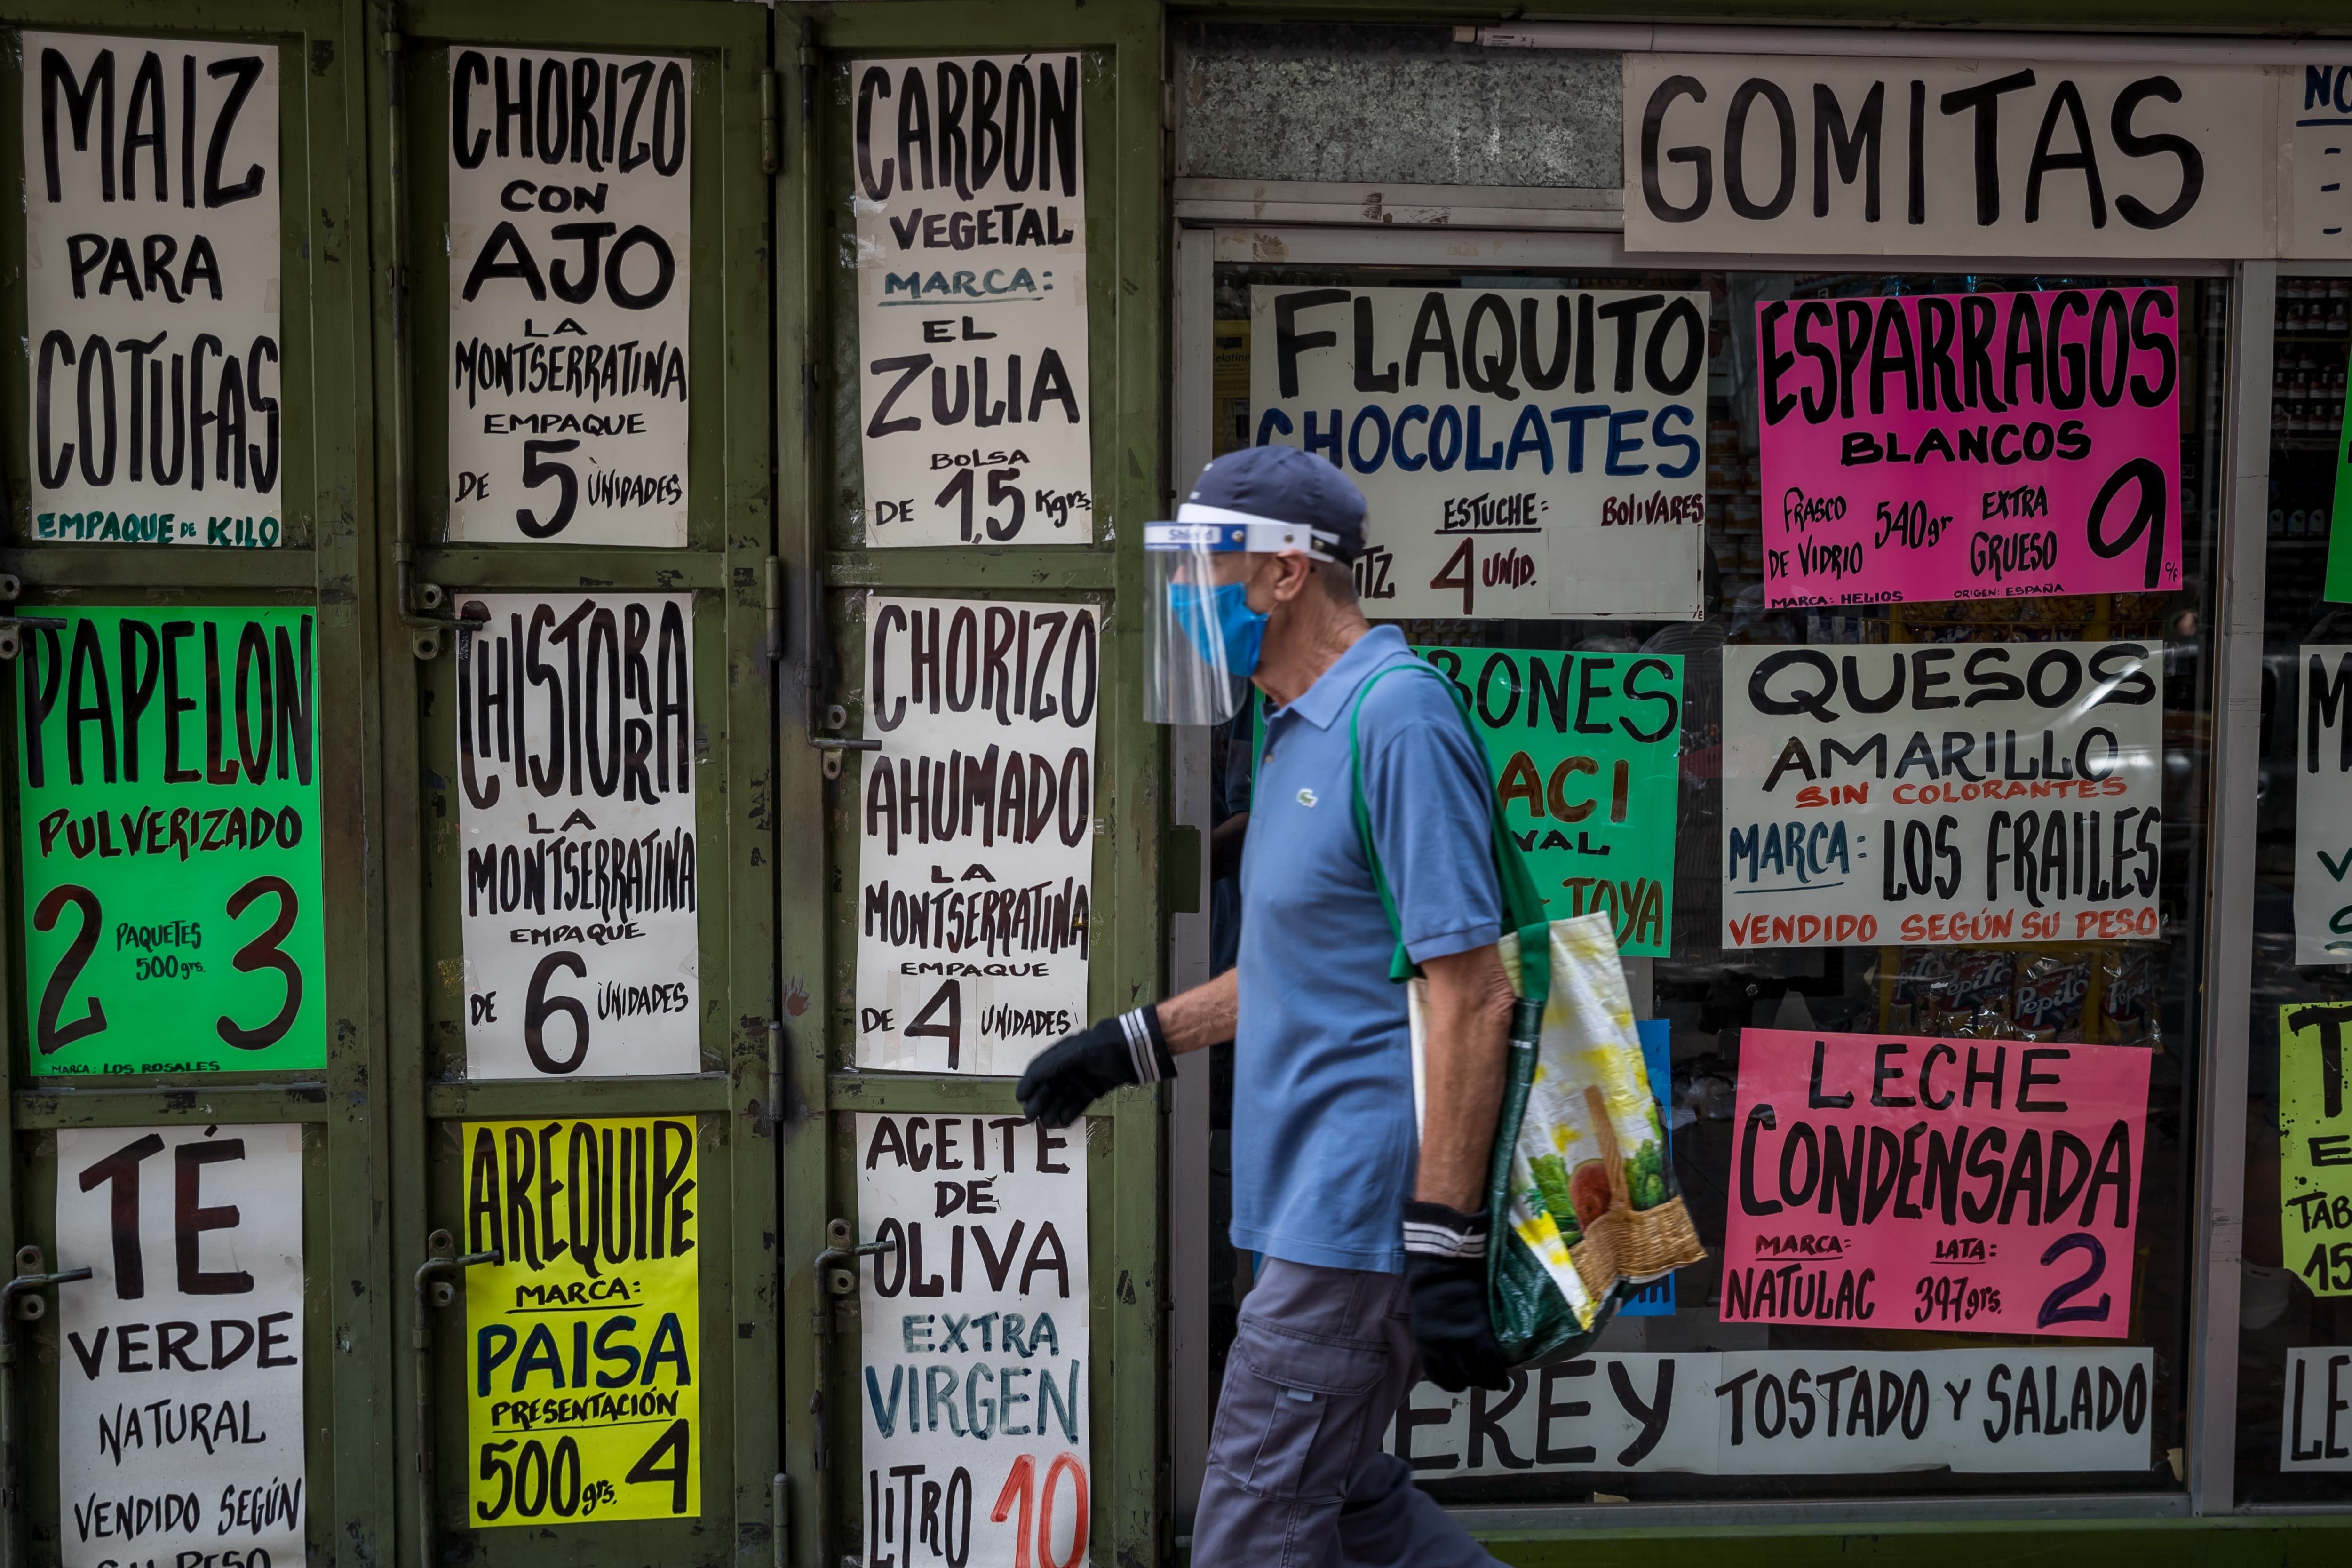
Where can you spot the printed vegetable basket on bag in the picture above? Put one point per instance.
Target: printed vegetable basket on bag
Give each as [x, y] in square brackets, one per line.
[1581, 1202]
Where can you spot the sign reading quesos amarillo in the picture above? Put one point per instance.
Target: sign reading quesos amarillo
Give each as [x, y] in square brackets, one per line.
[583, 1364]
[169, 811]
[1946, 794]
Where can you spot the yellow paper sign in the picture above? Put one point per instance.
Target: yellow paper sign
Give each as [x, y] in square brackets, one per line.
[582, 1345]
[2316, 1145]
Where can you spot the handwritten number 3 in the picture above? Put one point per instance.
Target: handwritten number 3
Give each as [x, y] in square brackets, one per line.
[262, 953]
[2148, 518]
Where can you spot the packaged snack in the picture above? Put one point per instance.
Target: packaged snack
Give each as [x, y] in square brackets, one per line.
[2128, 1004]
[1922, 993]
[1981, 982]
[2051, 990]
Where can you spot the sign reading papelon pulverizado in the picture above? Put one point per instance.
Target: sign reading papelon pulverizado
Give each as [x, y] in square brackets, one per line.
[169, 810]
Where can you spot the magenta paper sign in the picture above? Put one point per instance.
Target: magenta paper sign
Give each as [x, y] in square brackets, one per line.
[1988, 1186]
[1970, 445]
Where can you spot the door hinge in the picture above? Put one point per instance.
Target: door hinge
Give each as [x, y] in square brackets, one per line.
[772, 137]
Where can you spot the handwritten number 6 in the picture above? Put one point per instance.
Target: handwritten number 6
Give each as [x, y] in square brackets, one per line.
[262, 953]
[45, 1032]
[2148, 517]
[2051, 1311]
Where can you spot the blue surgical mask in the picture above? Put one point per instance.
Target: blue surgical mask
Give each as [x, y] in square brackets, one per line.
[1220, 618]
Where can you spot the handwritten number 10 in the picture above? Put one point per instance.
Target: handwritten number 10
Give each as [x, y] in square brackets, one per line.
[262, 953]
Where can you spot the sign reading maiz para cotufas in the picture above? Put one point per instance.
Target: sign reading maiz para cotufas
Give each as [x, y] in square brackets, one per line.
[170, 840]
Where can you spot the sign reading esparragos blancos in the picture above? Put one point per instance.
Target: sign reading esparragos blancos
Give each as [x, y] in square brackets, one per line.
[180, 1436]
[582, 1367]
[169, 831]
[576, 751]
[570, 239]
[1524, 452]
[2323, 807]
[973, 1342]
[976, 856]
[1585, 750]
[972, 301]
[151, 266]
[1948, 795]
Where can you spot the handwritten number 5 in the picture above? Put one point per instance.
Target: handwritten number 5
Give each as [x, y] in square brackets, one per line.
[262, 953]
[45, 1032]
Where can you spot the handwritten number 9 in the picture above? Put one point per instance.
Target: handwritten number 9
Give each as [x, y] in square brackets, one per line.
[263, 952]
[45, 1032]
[2149, 516]
[2053, 1308]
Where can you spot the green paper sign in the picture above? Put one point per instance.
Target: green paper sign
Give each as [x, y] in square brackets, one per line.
[2338, 589]
[2316, 1145]
[1585, 749]
[168, 803]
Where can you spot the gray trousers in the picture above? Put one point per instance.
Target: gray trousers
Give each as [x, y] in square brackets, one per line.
[1295, 1477]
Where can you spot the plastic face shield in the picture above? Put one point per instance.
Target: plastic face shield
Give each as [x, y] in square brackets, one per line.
[1189, 675]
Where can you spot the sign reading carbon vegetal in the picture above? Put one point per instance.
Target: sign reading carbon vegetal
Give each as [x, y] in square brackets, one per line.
[583, 1398]
[570, 230]
[1970, 445]
[169, 803]
[2316, 1145]
[1525, 452]
[1585, 749]
[152, 267]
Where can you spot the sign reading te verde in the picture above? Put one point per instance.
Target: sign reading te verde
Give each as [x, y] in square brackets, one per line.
[1585, 751]
[169, 803]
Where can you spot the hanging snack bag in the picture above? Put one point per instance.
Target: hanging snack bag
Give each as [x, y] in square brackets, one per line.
[2051, 990]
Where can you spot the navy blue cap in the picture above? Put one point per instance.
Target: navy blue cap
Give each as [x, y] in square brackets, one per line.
[1284, 485]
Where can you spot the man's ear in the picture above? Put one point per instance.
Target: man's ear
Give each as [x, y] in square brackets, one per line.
[1292, 573]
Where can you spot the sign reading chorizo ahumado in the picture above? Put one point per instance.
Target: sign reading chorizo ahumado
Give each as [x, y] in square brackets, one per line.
[168, 803]
[570, 239]
[1524, 452]
[179, 1361]
[2323, 806]
[972, 301]
[1990, 1186]
[582, 1367]
[1942, 795]
[1970, 445]
[151, 266]
[973, 1342]
[576, 751]
[976, 831]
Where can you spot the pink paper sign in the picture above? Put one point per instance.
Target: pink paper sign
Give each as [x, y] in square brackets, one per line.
[1970, 445]
[1983, 1187]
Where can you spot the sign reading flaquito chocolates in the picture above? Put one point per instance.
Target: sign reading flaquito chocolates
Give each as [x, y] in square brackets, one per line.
[2323, 805]
[570, 239]
[1945, 794]
[151, 267]
[1970, 445]
[179, 1361]
[972, 301]
[976, 837]
[1792, 1413]
[2315, 1146]
[576, 751]
[974, 1335]
[1584, 750]
[1524, 452]
[583, 1373]
[169, 831]
[1990, 1186]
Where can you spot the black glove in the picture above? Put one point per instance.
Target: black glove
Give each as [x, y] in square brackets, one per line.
[1078, 1070]
[1445, 1269]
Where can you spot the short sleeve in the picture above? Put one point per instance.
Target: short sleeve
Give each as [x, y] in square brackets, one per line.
[1425, 786]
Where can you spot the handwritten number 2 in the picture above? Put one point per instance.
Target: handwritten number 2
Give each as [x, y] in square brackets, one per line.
[2053, 1308]
[263, 952]
[45, 1032]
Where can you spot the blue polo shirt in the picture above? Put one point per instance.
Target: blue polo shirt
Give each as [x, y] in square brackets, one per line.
[1324, 1142]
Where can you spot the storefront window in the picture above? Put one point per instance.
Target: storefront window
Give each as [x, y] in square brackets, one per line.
[2080, 984]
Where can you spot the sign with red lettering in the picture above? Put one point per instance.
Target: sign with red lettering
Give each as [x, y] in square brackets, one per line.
[1984, 1186]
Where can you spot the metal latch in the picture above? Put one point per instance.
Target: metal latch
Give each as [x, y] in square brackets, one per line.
[12, 626]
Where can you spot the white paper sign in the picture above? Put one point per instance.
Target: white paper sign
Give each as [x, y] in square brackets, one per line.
[180, 1431]
[2316, 132]
[570, 239]
[973, 1342]
[972, 301]
[2323, 806]
[1797, 154]
[2316, 1431]
[1792, 1413]
[152, 191]
[576, 751]
[1524, 452]
[1942, 794]
[976, 832]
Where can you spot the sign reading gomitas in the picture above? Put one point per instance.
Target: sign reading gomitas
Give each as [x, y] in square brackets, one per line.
[582, 1342]
[973, 1336]
[570, 239]
[976, 837]
[1989, 1186]
[1970, 445]
[972, 301]
[576, 751]
[170, 835]
[152, 258]
[2323, 807]
[180, 1431]
[1524, 452]
[1942, 795]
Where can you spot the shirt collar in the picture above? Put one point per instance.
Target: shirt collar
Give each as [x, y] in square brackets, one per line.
[1321, 703]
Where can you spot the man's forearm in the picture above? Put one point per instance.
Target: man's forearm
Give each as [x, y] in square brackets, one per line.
[1203, 1016]
[1465, 1061]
